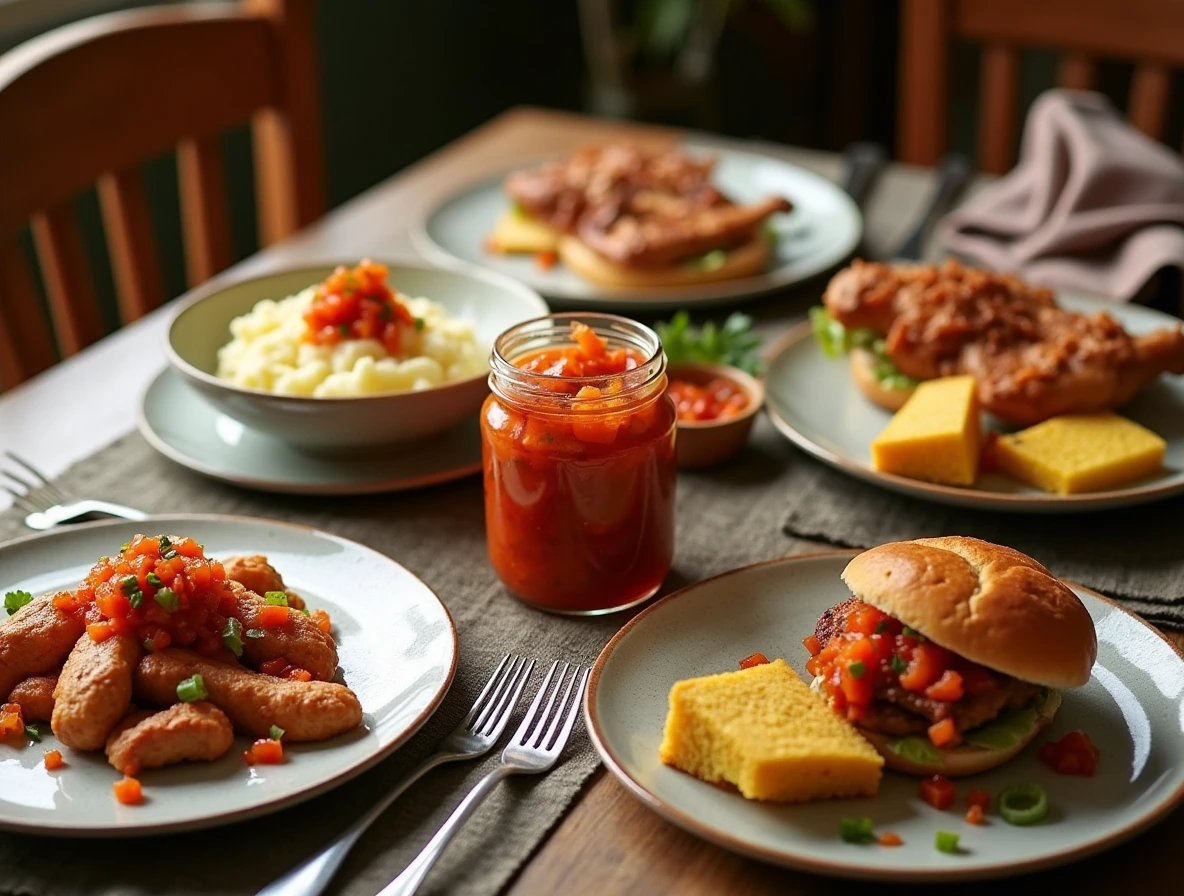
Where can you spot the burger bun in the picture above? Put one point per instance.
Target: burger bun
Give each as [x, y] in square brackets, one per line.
[744, 260]
[863, 365]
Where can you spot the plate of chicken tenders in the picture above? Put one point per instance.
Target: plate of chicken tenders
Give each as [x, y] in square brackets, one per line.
[203, 670]
[976, 389]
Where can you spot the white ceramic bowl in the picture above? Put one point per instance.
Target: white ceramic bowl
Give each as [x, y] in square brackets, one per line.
[201, 325]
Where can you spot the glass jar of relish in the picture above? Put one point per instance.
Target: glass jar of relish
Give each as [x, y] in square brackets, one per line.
[578, 446]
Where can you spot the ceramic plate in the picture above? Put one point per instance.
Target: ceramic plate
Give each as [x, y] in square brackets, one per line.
[1131, 708]
[814, 402]
[397, 647]
[822, 230]
[185, 428]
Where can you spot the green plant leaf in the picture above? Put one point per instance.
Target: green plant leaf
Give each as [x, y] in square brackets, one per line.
[915, 749]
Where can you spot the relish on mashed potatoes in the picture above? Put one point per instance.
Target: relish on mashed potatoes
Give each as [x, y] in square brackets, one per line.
[351, 335]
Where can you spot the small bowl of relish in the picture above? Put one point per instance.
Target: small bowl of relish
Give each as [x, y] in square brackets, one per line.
[716, 406]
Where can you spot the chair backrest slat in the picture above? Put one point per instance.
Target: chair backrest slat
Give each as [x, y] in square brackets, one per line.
[1148, 104]
[66, 274]
[204, 215]
[924, 89]
[998, 94]
[26, 344]
[1077, 71]
[131, 243]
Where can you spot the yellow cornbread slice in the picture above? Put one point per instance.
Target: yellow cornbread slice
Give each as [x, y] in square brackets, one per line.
[515, 232]
[765, 731]
[1081, 453]
[935, 434]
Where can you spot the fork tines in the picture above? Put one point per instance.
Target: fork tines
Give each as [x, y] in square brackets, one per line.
[491, 710]
[561, 711]
[38, 492]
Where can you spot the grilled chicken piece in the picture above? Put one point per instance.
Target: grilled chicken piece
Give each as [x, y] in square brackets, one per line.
[34, 696]
[36, 640]
[94, 690]
[1031, 359]
[198, 731]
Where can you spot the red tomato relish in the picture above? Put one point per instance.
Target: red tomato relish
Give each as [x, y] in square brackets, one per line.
[719, 399]
[875, 650]
[357, 303]
[162, 589]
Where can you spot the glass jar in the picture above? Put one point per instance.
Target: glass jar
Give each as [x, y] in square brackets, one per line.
[577, 441]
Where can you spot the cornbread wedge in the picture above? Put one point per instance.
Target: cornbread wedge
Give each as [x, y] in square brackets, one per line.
[1081, 453]
[935, 435]
[516, 233]
[764, 730]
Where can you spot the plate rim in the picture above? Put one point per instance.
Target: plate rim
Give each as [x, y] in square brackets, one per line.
[1036, 502]
[642, 298]
[806, 863]
[287, 802]
[382, 486]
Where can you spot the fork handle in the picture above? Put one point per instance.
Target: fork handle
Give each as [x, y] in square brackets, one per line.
[408, 882]
[312, 876]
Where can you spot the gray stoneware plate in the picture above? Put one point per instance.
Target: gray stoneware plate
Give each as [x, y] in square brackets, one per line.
[1131, 708]
[813, 401]
[397, 647]
[822, 230]
[187, 429]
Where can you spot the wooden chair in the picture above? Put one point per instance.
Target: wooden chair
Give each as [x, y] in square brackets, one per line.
[1149, 33]
[86, 104]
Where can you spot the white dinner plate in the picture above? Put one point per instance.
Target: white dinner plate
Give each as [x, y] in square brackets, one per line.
[1131, 708]
[397, 647]
[822, 229]
[187, 429]
[814, 402]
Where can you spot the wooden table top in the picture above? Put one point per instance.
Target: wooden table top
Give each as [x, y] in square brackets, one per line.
[609, 842]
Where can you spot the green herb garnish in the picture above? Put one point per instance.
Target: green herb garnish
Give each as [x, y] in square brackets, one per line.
[857, 669]
[167, 599]
[733, 343]
[32, 733]
[154, 580]
[946, 841]
[191, 689]
[136, 598]
[276, 732]
[232, 636]
[855, 830]
[276, 598]
[14, 600]
[897, 664]
[419, 323]
[129, 585]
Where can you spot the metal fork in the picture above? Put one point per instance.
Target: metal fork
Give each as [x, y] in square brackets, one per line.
[47, 506]
[474, 736]
[533, 750]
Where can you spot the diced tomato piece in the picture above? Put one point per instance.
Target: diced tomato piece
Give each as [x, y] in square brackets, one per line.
[975, 815]
[265, 751]
[980, 798]
[11, 707]
[322, 621]
[813, 665]
[298, 675]
[812, 644]
[128, 791]
[546, 260]
[890, 839]
[976, 680]
[755, 659]
[946, 689]
[938, 792]
[944, 733]
[864, 619]
[272, 616]
[53, 760]
[276, 667]
[1073, 754]
[925, 667]
[988, 458]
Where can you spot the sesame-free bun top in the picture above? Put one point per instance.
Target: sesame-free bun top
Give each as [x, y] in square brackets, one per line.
[990, 604]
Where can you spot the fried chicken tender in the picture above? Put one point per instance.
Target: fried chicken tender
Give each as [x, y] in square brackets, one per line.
[1031, 359]
[35, 697]
[255, 573]
[185, 731]
[300, 642]
[307, 711]
[94, 690]
[36, 640]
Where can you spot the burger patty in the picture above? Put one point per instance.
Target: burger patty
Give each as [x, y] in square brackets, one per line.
[832, 621]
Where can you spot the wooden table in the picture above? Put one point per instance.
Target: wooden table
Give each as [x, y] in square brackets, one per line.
[609, 842]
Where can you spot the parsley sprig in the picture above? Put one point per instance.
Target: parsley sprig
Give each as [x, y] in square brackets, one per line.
[733, 343]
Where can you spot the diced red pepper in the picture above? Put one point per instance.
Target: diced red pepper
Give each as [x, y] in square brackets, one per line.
[944, 733]
[755, 659]
[938, 791]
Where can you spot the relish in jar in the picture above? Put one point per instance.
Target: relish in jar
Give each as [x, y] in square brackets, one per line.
[578, 446]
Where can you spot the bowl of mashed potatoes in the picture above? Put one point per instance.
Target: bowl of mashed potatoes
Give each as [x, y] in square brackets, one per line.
[348, 356]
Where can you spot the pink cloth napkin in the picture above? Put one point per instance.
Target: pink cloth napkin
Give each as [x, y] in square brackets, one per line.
[1093, 205]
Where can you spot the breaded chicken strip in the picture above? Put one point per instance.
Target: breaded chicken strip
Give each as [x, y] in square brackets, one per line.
[35, 697]
[306, 710]
[195, 731]
[300, 642]
[254, 573]
[36, 640]
[94, 690]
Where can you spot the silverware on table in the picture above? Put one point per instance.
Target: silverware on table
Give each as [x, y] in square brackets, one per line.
[953, 175]
[534, 749]
[47, 506]
[863, 163]
[474, 736]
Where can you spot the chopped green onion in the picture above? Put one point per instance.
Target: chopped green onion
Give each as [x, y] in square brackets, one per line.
[32, 733]
[881, 626]
[276, 598]
[136, 598]
[232, 636]
[304, 610]
[857, 669]
[165, 544]
[255, 633]
[191, 689]
[276, 732]
[169, 554]
[149, 645]
[1023, 804]
[946, 841]
[910, 632]
[154, 580]
[897, 664]
[855, 830]
[14, 600]
[123, 548]
[420, 323]
[167, 599]
[128, 585]
[345, 331]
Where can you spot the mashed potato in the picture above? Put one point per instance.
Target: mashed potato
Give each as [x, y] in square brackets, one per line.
[269, 352]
